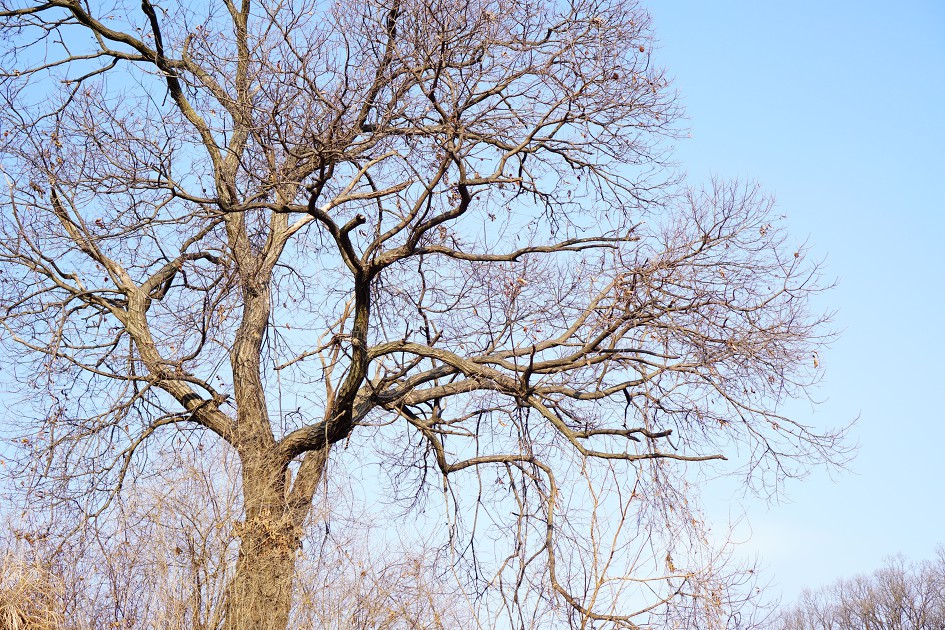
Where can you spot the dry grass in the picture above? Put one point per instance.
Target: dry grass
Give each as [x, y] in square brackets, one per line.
[30, 596]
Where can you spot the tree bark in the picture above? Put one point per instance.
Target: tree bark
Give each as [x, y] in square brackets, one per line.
[260, 592]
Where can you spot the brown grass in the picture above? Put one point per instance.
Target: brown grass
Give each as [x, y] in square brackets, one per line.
[30, 596]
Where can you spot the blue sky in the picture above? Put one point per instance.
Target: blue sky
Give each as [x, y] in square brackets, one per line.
[838, 110]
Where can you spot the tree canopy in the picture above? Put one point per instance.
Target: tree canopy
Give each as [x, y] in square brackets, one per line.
[441, 239]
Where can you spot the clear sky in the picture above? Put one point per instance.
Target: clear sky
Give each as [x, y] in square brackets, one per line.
[838, 110]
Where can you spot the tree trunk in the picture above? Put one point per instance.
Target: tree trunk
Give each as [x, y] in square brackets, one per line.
[259, 595]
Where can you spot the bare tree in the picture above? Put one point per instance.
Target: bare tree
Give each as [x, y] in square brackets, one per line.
[441, 235]
[899, 596]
